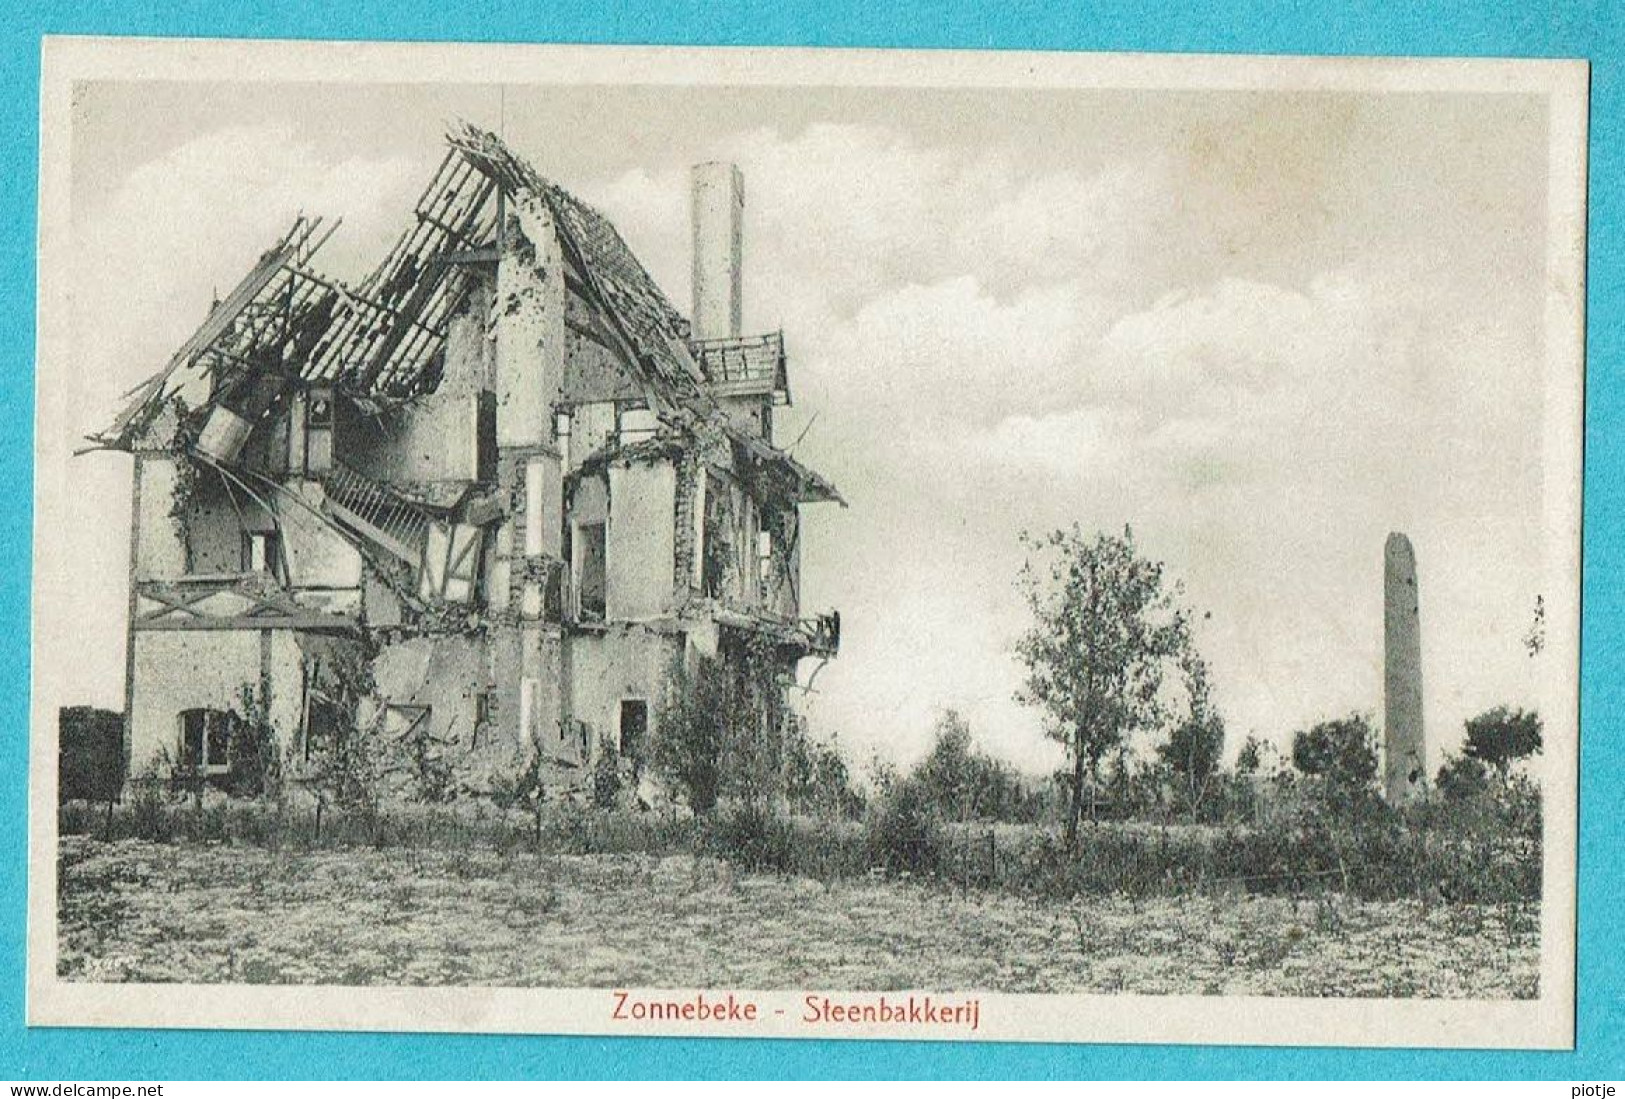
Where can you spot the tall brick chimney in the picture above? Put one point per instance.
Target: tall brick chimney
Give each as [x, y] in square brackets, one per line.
[718, 216]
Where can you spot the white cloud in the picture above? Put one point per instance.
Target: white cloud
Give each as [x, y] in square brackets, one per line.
[990, 346]
[189, 224]
[1261, 439]
[840, 215]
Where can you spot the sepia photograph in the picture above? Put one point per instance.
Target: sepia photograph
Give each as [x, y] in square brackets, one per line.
[807, 543]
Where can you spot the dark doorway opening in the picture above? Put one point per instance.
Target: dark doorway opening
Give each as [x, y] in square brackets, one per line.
[634, 729]
[591, 574]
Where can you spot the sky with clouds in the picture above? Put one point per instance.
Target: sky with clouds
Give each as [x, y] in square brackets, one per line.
[1264, 328]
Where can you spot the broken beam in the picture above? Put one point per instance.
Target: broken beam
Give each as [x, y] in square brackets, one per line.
[466, 255]
[252, 622]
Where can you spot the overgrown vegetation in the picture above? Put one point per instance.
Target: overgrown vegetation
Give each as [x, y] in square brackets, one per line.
[1190, 756]
[1145, 814]
[253, 754]
[722, 731]
[402, 916]
[606, 774]
[90, 754]
[817, 780]
[1111, 659]
[1310, 823]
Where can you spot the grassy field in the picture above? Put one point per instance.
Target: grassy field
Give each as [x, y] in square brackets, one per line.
[131, 910]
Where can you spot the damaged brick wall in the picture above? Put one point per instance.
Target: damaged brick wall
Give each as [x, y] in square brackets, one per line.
[626, 662]
[438, 696]
[527, 551]
[641, 540]
[528, 321]
[688, 519]
[160, 547]
[433, 443]
[179, 670]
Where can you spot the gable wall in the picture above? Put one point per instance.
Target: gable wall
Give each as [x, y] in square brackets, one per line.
[160, 552]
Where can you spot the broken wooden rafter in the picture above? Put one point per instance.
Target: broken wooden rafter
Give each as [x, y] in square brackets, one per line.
[395, 324]
[296, 244]
[467, 255]
[431, 280]
[452, 232]
[349, 297]
[621, 341]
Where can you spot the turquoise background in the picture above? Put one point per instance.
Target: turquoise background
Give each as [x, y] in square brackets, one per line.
[1524, 28]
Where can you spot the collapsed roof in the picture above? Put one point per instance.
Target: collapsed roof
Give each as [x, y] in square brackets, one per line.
[382, 341]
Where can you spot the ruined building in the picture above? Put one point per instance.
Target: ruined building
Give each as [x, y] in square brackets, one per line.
[493, 499]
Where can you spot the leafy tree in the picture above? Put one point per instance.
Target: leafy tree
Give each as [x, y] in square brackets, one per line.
[1191, 757]
[1105, 625]
[1192, 751]
[949, 774]
[882, 775]
[1343, 753]
[1008, 795]
[801, 768]
[1502, 736]
[816, 777]
[689, 746]
[833, 788]
[90, 753]
[1251, 759]
[1246, 791]
[962, 782]
[1462, 778]
[721, 735]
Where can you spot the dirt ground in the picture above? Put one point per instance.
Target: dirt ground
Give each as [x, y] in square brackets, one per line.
[144, 912]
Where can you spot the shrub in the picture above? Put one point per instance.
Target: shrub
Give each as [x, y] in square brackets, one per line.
[1342, 753]
[1520, 805]
[91, 764]
[1190, 756]
[1254, 757]
[827, 849]
[752, 836]
[721, 734]
[523, 789]
[904, 834]
[692, 739]
[606, 774]
[252, 754]
[432, 777]
[817, 779]
[1461, 779]
[961, 782]
[149, 813]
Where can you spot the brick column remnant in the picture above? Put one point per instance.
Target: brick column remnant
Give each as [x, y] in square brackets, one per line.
[1404, 754]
